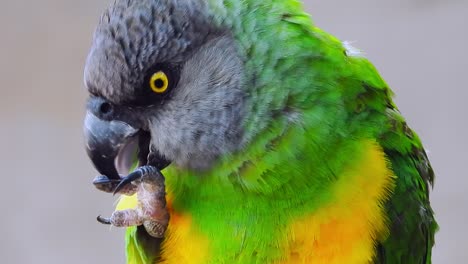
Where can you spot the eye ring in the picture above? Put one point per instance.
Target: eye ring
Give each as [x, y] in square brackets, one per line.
[159, 82]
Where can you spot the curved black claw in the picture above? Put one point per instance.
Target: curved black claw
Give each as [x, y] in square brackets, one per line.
[103, 183]
[102, 220]
[136, 175]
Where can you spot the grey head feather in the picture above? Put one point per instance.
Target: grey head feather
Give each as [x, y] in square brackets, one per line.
[203, 117]
[133, 35]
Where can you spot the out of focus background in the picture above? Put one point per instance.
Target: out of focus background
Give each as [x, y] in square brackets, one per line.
[48, 204]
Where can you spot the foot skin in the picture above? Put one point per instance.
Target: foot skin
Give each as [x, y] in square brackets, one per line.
[148, 183]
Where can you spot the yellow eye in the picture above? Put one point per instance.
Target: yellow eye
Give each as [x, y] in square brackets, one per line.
[159, 82]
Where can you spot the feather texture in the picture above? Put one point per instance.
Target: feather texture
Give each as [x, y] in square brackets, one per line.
[311, 112]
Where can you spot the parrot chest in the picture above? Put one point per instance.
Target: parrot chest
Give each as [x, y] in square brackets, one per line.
[344, 230]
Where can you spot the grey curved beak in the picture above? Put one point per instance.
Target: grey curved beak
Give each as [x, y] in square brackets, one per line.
[103, 140]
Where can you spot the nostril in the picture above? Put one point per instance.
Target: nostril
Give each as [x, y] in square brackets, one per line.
[105, 108]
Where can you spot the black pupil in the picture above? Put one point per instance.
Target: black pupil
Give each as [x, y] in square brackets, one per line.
[159, 83]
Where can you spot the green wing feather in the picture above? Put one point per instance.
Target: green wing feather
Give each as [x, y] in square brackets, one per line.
[412, 223]
[412, 218]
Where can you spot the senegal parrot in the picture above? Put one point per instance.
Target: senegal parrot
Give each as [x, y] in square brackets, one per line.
[236, 131]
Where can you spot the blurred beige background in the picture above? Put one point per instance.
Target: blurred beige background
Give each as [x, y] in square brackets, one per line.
[48, 203]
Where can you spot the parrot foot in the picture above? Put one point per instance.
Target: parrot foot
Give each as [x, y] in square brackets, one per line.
[151, 211]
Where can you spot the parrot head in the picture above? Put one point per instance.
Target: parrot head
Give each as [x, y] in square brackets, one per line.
[165, 83]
